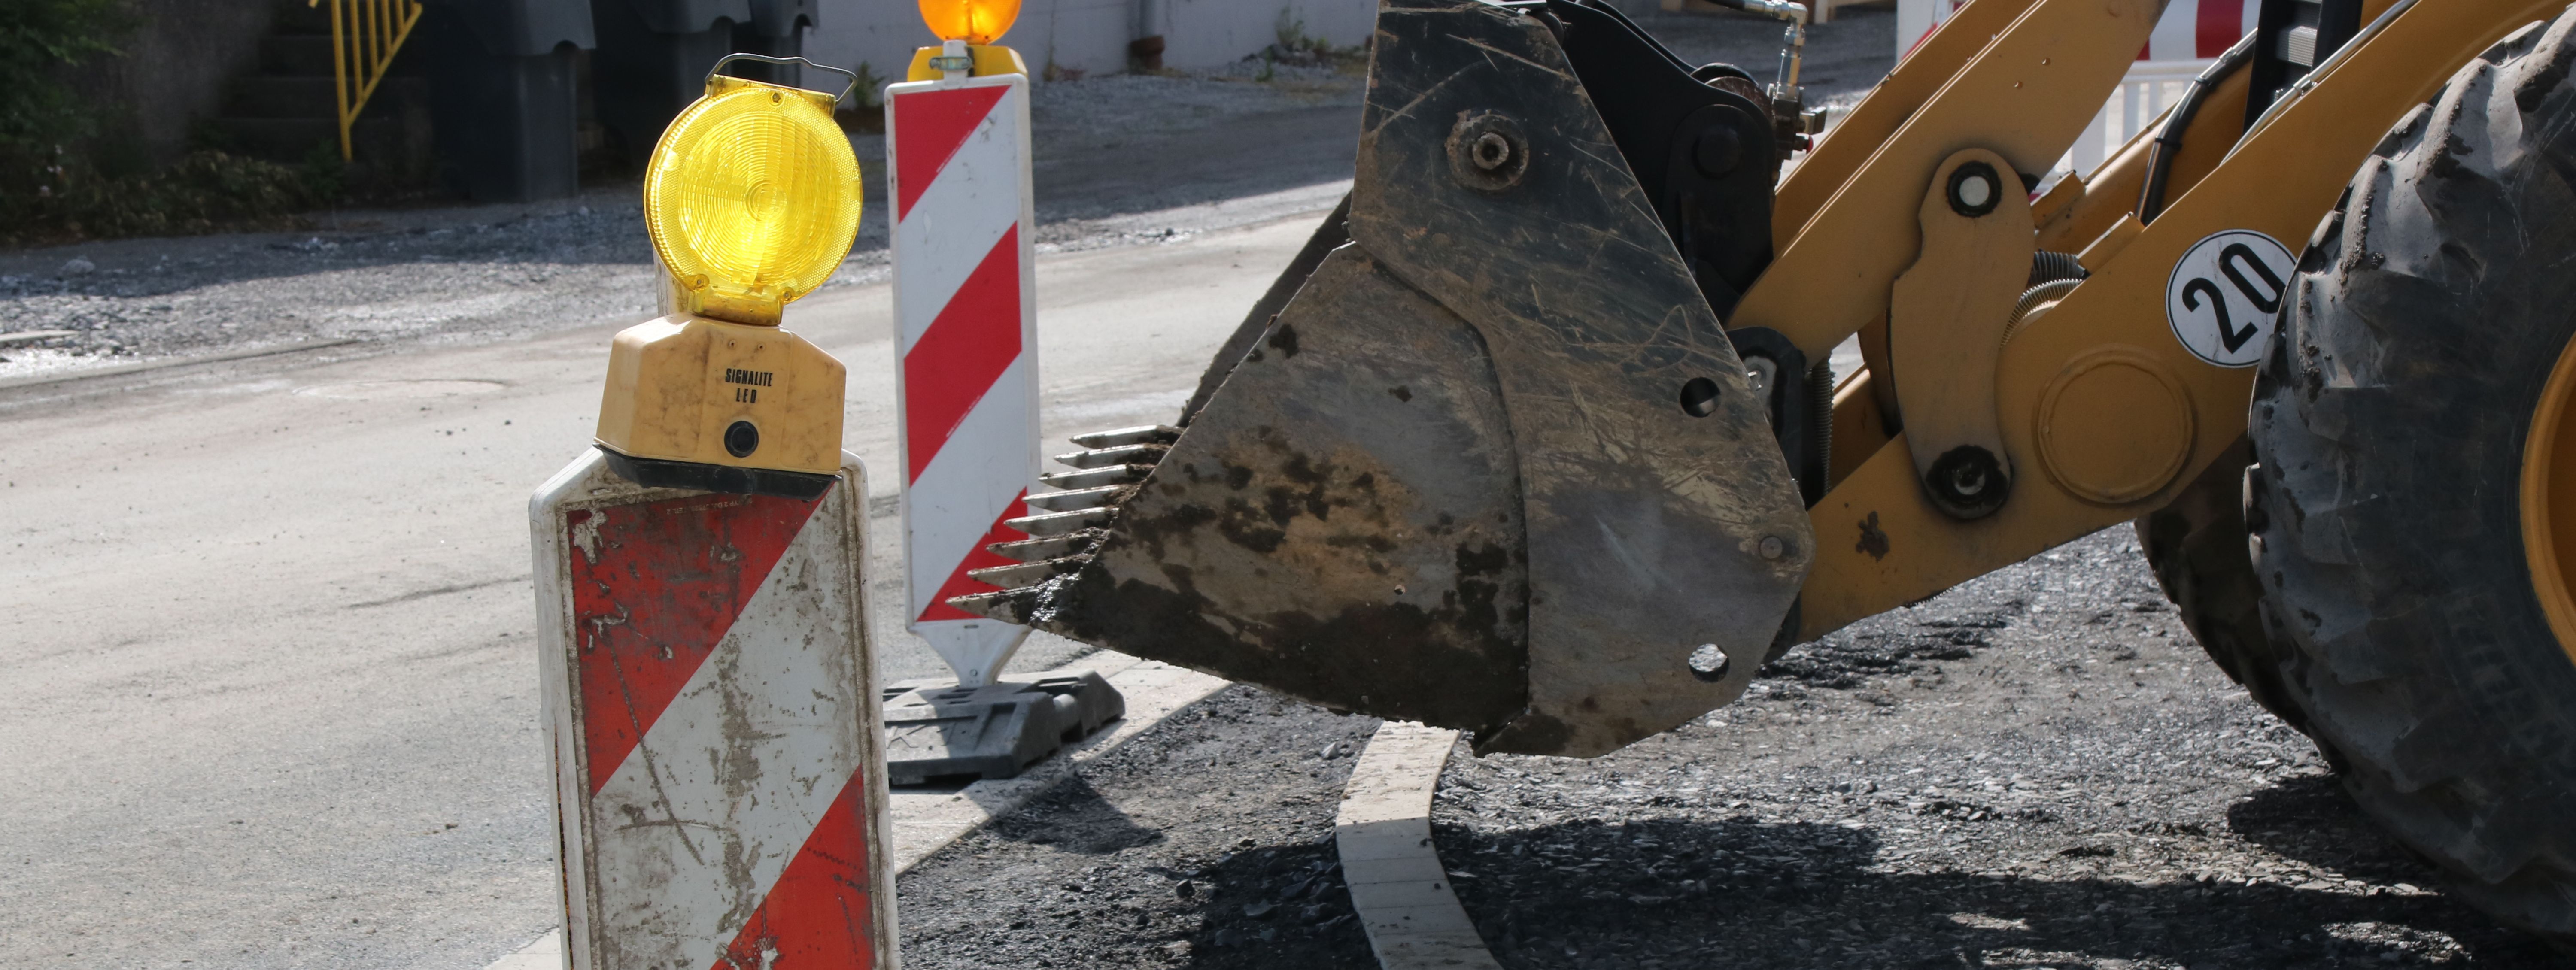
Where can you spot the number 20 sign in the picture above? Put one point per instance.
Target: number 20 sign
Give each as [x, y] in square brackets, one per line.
[2225, 294]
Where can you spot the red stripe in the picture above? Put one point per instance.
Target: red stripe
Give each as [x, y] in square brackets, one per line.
[929, 127]
[963, 351]
[653, 591]
[2221, 23]
[818, 915]
[960, 584]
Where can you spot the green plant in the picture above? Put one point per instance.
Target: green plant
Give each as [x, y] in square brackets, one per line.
[204, 191]
[37, 39]
[53, 185]
[1291, 44]
[1290, 33]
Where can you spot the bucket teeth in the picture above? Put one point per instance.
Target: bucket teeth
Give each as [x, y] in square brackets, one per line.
[1009, 606]
[1143, 434]
[1027, 573]
[1121, 455]
[1077, 499]
[1059, 523]
[1068, 524]
[1095, 477]
[1050, 547]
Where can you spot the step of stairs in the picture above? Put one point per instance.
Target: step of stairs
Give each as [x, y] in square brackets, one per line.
[294, 17]
[289, 110]
[291, 55]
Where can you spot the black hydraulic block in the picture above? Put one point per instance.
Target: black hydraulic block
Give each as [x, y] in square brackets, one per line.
[936, 729]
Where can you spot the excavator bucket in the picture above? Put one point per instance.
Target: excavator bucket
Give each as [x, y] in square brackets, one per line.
[1484, 458]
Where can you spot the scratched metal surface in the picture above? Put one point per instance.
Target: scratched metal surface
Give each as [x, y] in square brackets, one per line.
[720, 786]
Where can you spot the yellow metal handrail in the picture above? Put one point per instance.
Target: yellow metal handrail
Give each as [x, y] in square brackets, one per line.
[365, 34]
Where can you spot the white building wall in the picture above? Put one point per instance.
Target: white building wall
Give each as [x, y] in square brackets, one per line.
[1089, 35]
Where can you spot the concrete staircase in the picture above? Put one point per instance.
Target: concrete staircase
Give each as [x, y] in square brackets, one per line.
[288, 110]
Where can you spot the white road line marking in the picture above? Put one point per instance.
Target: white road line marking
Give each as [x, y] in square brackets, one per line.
[926, 822]
[1403, 895]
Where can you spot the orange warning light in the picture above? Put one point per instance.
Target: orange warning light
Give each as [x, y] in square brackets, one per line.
[976, 22]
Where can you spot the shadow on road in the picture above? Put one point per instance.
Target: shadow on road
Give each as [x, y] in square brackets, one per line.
[1753, 894]
[1073, 817]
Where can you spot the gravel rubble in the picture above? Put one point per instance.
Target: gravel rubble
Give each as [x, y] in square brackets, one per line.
[2037, 769]
[1206, 841]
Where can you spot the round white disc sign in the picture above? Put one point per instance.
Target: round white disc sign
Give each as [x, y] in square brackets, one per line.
[2224, 294]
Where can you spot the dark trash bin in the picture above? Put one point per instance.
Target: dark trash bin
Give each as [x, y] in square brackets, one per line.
[653, 57]
[504, 95]
[776, 28]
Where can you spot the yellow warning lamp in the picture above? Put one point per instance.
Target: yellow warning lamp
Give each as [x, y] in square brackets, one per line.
[976, 22]
[752, 199]
[967, 30]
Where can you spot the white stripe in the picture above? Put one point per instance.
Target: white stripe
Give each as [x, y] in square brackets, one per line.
[976, 649]
[992, 456]
[969, 204]
[989, 460]
[695, 827]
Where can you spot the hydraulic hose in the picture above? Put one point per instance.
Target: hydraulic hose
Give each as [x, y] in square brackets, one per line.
[2168, 142]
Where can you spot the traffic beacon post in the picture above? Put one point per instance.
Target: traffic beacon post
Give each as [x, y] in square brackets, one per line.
[957, 164]
[710, 696]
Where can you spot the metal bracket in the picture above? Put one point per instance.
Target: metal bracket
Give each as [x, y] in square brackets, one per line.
[1946, 320]
[718, 70]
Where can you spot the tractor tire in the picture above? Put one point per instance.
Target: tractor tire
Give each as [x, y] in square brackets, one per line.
[2196, 547]
[2389, 422]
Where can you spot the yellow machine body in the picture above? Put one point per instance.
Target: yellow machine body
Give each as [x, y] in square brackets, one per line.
[2103, 414]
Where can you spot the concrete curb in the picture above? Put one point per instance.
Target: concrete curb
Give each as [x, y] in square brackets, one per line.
[928, 821]
[1397, 883]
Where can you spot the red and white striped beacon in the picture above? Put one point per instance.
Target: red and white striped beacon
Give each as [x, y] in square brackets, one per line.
[965, 302]
[711, 703]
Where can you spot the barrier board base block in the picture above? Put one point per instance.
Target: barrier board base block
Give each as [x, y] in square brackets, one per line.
[936, 729]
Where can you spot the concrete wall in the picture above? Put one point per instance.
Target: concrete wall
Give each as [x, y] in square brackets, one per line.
[172, 73]
[1089, 35]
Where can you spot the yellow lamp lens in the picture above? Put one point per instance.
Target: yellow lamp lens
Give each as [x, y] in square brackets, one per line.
[972, 21]
[752, 198]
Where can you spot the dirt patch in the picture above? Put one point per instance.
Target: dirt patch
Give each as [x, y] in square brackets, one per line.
[1204, 842]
